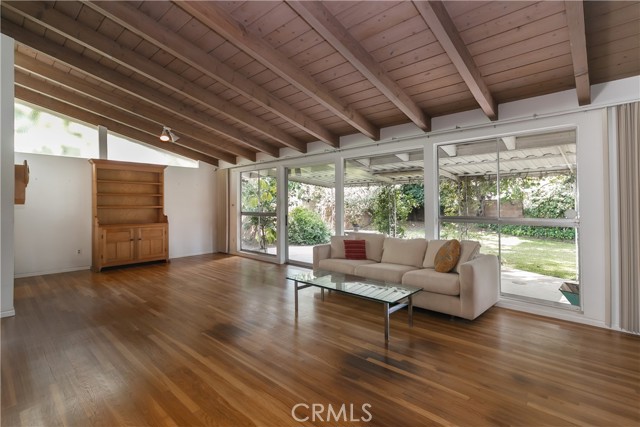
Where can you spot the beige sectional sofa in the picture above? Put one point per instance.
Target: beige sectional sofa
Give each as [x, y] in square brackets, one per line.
[467, 291]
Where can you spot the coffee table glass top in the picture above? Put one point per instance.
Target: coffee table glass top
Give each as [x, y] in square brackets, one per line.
[354, 285]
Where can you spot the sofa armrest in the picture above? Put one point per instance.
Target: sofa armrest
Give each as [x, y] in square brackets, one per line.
[479, 285]
[320, 252]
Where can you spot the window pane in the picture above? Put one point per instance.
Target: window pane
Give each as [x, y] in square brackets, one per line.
[537, 182]
[486, 234]
[536, 261]
[258, 192]
[40, 132]
[123, 149]
[468, 185]
[385, 194]
[259, 234]
[538, 176]
[312, 209]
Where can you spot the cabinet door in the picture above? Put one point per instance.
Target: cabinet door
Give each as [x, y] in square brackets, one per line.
[152, 243]
[117, 246]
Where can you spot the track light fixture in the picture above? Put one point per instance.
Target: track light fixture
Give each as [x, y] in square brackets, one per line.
[168, 135]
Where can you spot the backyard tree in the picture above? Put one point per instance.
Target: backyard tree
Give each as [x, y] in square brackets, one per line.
[391, 206]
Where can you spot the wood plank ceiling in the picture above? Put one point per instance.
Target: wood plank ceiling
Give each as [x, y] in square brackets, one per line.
[236, 78]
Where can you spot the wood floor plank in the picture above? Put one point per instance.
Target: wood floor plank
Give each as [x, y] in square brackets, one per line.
[213, 340]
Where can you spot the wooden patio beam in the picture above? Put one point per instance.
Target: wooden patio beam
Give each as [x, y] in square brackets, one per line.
[437, 18]
[51, 19]
[223, 24]
[120, 81]
[578, 41]
[48, 103]
[322, 21]
[147, 28]
[115, 99]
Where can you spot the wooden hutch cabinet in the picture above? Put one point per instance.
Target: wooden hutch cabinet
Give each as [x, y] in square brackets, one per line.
[129, 224]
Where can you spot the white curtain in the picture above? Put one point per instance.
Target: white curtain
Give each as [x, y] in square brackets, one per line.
[629, 208]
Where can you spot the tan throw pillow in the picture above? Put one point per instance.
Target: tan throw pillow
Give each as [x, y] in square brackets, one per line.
[374, 244]
[447, 256]
[432, 249]
[404, 251]
[337, 246]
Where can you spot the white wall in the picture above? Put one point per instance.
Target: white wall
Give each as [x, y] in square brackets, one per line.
[55, 221]
[190, 205]
[7, 176]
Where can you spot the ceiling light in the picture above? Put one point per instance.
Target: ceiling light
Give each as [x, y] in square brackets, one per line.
[164, 136]
[168, 135]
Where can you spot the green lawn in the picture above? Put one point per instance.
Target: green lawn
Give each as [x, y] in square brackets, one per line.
[556, 258]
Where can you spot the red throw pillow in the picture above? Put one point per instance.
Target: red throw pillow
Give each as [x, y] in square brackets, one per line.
[355, 249]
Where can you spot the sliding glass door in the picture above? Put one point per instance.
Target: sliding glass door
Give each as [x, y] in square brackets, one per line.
[311, 209]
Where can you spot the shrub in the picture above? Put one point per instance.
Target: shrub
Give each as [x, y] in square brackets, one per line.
[307, 228]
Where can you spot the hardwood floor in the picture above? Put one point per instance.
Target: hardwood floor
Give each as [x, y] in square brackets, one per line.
[212, 340]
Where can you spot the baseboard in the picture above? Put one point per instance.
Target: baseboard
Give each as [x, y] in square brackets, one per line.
[56, 271]
[570, 316]
[8, 313]
[193, 254]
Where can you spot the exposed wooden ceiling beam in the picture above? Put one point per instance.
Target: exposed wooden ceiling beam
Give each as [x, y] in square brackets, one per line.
[132, 20]
[578, 41]
[144, 26]
[76, 100]
[130, 86]
[443, 28]
[321, 20]
[44, 15]
[222, 23]
[119, 100]
[51, 104]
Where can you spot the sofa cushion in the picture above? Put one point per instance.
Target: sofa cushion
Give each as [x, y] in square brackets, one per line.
[391, 273]
[346, 266]
[430, 255]
[469, 249]
[447, 257]
[355, 249]
[404, 251]
[337, 246]
[432, 281]
[373, 246]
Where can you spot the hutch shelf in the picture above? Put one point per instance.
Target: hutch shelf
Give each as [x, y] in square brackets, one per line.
[129, 224]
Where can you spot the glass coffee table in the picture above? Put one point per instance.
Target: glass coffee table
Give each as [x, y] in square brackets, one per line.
[393, 296]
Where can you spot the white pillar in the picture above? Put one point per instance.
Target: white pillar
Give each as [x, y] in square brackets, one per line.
[102, 142]
[339, 195]
[7, 176]
[431, 189]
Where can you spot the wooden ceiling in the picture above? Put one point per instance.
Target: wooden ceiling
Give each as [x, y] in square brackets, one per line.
[234, 78]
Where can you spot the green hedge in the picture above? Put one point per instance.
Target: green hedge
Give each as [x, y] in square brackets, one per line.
[558, 233]
[307, 228]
